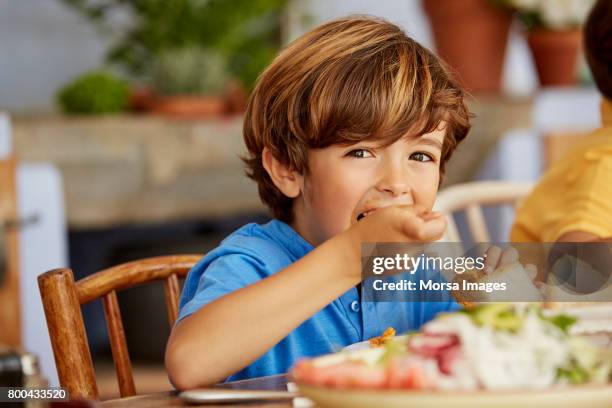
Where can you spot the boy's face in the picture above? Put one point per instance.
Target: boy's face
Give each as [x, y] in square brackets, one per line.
[344, 183]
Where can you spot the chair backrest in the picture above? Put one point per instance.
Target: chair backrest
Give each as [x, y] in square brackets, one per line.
[62, 298]
[471, 197]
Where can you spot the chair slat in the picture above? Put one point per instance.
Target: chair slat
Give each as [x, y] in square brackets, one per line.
[452, 238]
[485, 193]
[171, 288]
[116, 335]
[476, 222]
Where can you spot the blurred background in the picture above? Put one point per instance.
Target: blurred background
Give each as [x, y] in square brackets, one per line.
[120, 131]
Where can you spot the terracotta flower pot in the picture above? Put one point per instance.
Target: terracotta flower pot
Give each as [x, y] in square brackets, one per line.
[190, 106]
[237, 97]
[142, 99]
[471, 36]
[555, 54]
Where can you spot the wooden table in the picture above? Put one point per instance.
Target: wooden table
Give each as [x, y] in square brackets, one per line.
[171, 399]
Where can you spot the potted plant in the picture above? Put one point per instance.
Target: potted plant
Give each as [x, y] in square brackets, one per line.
[246, 32]
[554, 36]
[190, 82]
[471, 35]
[95, 92]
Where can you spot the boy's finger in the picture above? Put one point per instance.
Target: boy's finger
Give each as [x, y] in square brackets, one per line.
[433, 229]
[509, 256]
[432, 215]
[493, 255]
[531, 271]
[417, 209]
[421, 230]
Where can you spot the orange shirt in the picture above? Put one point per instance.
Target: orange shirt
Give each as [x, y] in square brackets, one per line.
[575, 194]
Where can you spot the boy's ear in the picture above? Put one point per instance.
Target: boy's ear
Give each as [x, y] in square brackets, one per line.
[288, 181]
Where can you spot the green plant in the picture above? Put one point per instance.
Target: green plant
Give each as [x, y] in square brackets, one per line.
[190, 70]
[94, 92]
[247, 32]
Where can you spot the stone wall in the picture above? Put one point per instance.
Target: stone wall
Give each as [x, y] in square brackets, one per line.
[133, 169]
[146, 169]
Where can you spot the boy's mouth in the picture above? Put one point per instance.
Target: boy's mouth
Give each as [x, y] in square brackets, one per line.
[365, 214]
[374, 205]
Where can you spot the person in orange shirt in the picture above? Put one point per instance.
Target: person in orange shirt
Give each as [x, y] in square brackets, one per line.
[573, 200]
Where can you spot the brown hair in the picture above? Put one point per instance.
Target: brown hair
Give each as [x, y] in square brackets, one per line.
[598, 45]
[346, 81]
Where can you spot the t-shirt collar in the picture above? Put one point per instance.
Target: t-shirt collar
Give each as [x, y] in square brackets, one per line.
[290, 239]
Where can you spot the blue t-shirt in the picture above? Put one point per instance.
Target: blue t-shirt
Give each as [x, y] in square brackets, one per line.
[255, 252]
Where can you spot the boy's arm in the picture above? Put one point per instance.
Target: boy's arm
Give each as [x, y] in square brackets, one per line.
[233, 331]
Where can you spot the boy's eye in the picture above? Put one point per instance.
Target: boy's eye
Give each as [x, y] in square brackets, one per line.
[422, 157]
[360, 153]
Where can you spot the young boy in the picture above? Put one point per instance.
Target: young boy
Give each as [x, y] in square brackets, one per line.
[347, 131]
[573, 200]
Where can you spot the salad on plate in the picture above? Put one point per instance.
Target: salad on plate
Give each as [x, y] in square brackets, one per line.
[494, 347]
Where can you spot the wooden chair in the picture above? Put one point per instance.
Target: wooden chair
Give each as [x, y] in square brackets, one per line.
[471, 197]
[62, 298]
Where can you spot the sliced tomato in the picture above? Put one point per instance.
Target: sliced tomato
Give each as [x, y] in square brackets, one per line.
[407, 373]
[448, 357]
[341, 375]
[431, 345]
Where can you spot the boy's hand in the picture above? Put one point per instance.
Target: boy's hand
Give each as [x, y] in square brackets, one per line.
[498, 259]
[400, 223]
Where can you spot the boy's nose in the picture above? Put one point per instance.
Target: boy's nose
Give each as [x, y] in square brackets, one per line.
[394, 184]
[393, 189]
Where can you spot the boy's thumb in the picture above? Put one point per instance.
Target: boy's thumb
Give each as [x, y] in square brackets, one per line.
[426, 230]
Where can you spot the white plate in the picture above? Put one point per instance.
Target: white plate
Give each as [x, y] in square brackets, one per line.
[567, 397]
[592, 396]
